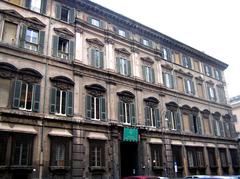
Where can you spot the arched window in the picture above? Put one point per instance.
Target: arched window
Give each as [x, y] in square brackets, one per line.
[126, 108]
[26, 90]
[151, 111]
[95, 102]
[61, 97]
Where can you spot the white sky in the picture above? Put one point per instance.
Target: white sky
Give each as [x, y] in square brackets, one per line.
[212, 26]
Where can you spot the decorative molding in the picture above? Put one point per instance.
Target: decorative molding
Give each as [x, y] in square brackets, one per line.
[126, 96]
[108, 40]
[135, 50]
[147, 59]
[79, 30]
[167, 66]
[123, 51]
[7, 70]
[11, 13]
[183, 73]
[210, 82]
[62, 82]
[151, 101]
[64, 31]
[199, 78]
[220, 85]
[95, 41]
[95, 90]
[36, 21]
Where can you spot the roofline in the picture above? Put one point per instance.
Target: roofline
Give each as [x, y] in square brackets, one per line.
[156, 36]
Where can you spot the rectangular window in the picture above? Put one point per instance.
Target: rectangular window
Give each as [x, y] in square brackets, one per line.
[234, 157]
[189, 86]
[206, 124]
[223, 157]
[191, 160]
[35, 5]
[218, 75]
[61, 102]
[167, 54]
[186, 61]
[211, 93]
[200, 90]
[9, 33]
[97, 58]
[95, 107]
[22, 150]
[95, 22]
[208, 70]
[156, 153]
[63, 48]
[180, 84]
[177, 58]
[59, 151]
[177, 155]
[151, 116]
[173, 118]
[65, 14]
[26, 96]
[123, 66]
[32, 39]
[212, 157]
[195, 157]
[196, 65]
[96, 153]
[168, 80]
[145, 42]
[148, 74]
[126, 112]
[121, 33]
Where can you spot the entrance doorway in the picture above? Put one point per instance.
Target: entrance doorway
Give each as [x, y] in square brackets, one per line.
[129, 159]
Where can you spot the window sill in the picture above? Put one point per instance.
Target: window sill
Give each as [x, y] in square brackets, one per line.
[97, 168]
[21, 167]
[60, 168]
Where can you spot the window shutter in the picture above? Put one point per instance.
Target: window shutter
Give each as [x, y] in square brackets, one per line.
[171, 81]
[191, 123]
[58, 10]
[141, 40]
[89, 19]
[28, 3]
[157, 116]
[178, 121]
[193, 87]
[43, 6]
[118, 64]
[88, 106]
[186, 85]
[215, 96]
[232, 130]
[93, 57]
[147, 115]
[199, 125]
[71, 50]
[121, 111]
[102, 105]
[150, 43]
[169, 116]
[41, 41]
[22, 36]
[153, 75]
[132, 114]
[101, 60]
[17, 88]
[53, 100]
[164, 76]
[102, 24]
[36, 98]
[72, 15]
[205, 69]
[127, 34]
[55, 46]
[144, 72]
[214, 127]
[189, 63]
[129, 68]
[221, 128]
[69, 103]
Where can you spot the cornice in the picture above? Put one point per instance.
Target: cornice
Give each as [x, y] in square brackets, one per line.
[143, 30]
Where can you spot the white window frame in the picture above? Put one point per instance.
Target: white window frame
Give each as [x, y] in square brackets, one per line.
[60, 105]
[30, 44]
[173, 121]
[95, 22]
[168, 77]
[68, 16]
[211, 93]
[126, 116]
[122, 32]
[95, 108]
[145, 42]
[35, 5]
[63, 53]
[26, 95]
[148, 74]
[123, 66]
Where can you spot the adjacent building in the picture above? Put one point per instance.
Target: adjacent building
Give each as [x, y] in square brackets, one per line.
[235, 104]
[88, 93]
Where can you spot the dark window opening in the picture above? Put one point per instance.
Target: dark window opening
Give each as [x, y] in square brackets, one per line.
[65, 14]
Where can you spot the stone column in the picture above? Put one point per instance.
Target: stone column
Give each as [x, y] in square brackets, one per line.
[115, 160]
[159, 79]
[77, 94]
[136, 63]
[79, 45]
[206, 159]
[218, 160]
[229, 160]
[185, 161]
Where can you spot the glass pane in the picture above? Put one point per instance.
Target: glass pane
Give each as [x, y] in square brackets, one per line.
[32, 36]
[29, 97]
[23, 95]
[63, 45]
[97, 109]
[95, 22]
[128, 113]
[92, 111]
[36, 5]
[122, 33]
[58, 101]
[63, 102]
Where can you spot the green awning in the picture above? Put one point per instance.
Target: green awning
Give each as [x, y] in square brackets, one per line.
[130, 134]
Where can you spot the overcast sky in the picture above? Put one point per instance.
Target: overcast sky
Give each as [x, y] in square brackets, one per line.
[211, 26]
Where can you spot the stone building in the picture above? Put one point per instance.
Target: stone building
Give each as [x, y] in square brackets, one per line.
[88, 93]
[235, 104]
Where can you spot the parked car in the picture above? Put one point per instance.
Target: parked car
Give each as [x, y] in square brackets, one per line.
[199, 176]
[145, 177]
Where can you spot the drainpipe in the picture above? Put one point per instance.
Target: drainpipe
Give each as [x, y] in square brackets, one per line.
[41, 162]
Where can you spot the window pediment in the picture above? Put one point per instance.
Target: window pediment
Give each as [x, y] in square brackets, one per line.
[11, 13]
[95, 41]
[199, 78]
[183, 73]
[29, 75]
[210, 82]
[64, 31]
[126, 96]
[36, 21]
[151, 101]
[62, 82]
[123, 51]
[7, 70]
[95, 89]
[205, 113]
[216, 115]
[167, 66]
[147, 59]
